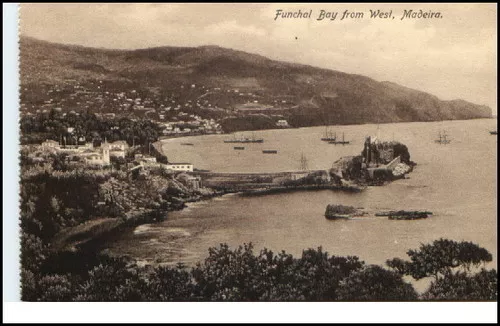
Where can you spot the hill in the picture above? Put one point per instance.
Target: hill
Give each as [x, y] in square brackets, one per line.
[217, 82]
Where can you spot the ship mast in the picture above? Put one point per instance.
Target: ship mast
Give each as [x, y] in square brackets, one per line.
[303, 162]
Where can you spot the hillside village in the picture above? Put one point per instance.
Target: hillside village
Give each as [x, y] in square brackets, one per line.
[191, 109]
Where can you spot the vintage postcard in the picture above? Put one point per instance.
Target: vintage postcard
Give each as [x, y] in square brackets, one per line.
[265, 152]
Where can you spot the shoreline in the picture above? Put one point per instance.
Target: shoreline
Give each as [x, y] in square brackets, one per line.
[96, 235]
[241, 184]
[164, 137]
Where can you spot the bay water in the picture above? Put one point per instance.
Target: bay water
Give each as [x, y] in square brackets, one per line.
[457, 182]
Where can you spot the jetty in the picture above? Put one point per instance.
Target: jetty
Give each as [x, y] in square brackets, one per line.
[275, 182]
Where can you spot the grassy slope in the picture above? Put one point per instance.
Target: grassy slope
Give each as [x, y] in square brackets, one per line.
[320, 95]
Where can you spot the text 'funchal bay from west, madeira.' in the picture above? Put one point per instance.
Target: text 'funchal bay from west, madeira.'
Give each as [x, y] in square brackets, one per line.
[347, 14]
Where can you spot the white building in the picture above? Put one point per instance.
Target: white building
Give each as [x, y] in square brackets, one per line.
[53, 145]
[49, 143]
[146, 160]
[117, 148]
[282, 123]
[186, 167]
[119, 145]
[100, 158]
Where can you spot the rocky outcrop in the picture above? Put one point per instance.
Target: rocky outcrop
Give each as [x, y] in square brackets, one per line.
[347, 168]
[335, 212]
[405, 215]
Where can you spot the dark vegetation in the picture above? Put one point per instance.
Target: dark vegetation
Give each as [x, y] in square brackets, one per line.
[254, 122]
[242, 275]
[54, 125]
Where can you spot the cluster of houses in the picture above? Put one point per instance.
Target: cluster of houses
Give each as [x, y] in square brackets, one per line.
[180, 111]
[191, 124]
[101, 156]
[110, 101]
[87, 153]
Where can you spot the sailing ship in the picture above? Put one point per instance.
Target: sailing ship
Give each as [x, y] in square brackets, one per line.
[244, 140]
[329, 136]
[443, 138]
[339, 142]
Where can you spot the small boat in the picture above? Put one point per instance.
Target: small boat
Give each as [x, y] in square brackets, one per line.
[269, 151]
[240, 148]
[339, 142]
[494, 132]
[187, 144]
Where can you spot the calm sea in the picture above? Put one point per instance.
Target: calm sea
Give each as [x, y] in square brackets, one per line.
[457, 182]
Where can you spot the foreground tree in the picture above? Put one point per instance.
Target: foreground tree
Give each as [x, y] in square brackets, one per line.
[482, 286]
[441, 258]
[239, 275]
[452, 265]
[375, 283]
[318, 275]
[113, 281]
[229, 275]
[170, 284]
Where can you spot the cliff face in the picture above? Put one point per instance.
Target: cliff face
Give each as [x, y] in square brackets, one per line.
[303, 95]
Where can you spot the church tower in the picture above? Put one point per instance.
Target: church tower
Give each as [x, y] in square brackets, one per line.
[105, 152]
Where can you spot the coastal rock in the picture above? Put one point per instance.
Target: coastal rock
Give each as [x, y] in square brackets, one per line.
[347, 168]
[405, 215]
[334, 212]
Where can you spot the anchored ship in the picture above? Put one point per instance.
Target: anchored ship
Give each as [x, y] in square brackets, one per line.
[443, 138]
[244, 140]
[339, 142]
[329, 135]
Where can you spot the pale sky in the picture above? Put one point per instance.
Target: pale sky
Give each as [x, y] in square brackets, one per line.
[451, 57]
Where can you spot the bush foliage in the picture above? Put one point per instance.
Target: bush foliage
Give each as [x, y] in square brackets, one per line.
[241, 275]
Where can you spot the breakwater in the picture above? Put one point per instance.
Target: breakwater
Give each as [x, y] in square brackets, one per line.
[236, 182]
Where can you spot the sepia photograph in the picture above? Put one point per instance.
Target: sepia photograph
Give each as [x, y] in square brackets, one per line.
[258, 153]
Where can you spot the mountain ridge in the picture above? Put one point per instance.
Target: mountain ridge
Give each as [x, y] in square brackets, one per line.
[306, 95]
